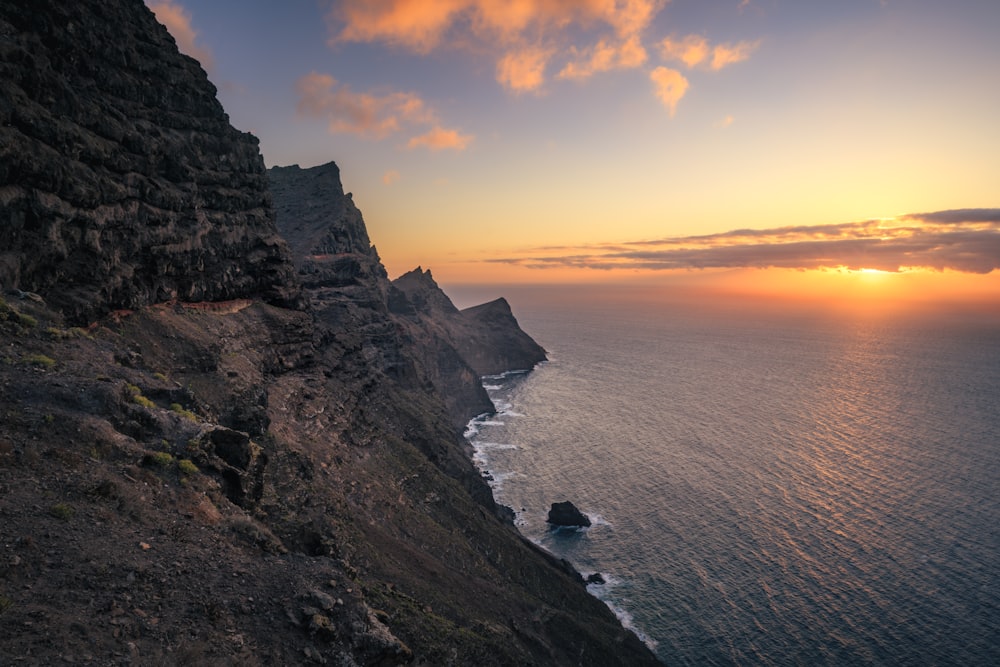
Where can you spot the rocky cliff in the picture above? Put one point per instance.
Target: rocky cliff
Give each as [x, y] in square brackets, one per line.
[123, 182]
[223, 467]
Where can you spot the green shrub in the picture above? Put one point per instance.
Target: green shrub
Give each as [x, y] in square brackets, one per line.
[187, 466]
[5, 603]
[187, 414]
[62, 511]
[160, 376]
[162, 459]
[26, 321]
[40, 360]
[138, 398]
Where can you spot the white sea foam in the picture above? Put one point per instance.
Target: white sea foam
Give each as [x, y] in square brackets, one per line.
[601, 592]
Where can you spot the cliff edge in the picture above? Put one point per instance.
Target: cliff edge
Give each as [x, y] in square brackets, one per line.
[217, 447]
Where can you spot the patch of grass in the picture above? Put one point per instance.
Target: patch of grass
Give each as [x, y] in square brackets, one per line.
[187, 466]
[62, 511]
[63, 334]
[183, 412]
[161, 377]
[40, 360]
[5, 603]
[136, 395]
[26, 321]
[161, 459]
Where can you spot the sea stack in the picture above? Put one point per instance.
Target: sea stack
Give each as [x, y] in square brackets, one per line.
[566, 515]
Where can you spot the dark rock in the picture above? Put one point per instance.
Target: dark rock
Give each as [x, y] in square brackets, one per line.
[123, 182]
[596, 578]
[307, 443]
[565, 514]
[493, 342]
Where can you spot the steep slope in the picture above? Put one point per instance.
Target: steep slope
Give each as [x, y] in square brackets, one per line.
[123, 182]
[487, 336]
[350, 291]
[216, 471]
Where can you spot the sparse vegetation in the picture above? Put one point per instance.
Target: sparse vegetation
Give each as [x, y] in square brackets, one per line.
[40, 360]
[10, 314]
[187, 466]
[136, 395]
[161, 377]
[63, 334]
[161, 459]
[183, 412]
[62, 511]
[5, 603]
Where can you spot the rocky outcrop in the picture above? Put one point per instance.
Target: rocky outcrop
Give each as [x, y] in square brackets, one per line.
[483, 340]
[204, 474]
[122, 182]
[407, 325]
[492, 342]
[566, 515]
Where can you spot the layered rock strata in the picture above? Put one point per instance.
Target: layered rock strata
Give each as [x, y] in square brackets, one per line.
[217, 470]
[123, 183]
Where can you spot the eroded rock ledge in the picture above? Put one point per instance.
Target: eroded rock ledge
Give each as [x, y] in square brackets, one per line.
[221, 467]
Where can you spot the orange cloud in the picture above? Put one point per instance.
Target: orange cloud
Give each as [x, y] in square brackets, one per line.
[440, 139]
[670, 86]
[422, 25]
[523, 70]
[369, 115]
[695, 51]
[729, 54]
[964, 240]
[691, 50]
[390, 177]
[527, 32]
[605, 56]
[416, 24]
[178, 22]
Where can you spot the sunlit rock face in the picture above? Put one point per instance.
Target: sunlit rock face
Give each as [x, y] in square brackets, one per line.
[122, 182]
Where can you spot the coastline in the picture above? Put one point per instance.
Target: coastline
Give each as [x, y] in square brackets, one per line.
[494, 478]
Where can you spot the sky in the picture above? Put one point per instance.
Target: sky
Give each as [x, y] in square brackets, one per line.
[815, 148]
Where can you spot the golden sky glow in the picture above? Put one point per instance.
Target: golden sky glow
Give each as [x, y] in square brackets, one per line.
[554, 140]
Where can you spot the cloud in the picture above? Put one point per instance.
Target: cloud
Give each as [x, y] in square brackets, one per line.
[691, 50]
[440, 139]
[695, 51]
[730, 54]
[966, 240]
[390, 177]
[523, 70]
[669, 85]
[726, 122]
[526, 33]
[422, 25]
[372, 115]
[178, 21]
[605, 56]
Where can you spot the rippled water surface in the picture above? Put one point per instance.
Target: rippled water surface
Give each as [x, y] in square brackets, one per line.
[766, 488]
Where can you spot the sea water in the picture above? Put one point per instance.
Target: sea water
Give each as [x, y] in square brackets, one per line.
[805, 488]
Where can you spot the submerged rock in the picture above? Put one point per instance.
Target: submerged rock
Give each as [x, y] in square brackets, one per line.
[565, 514]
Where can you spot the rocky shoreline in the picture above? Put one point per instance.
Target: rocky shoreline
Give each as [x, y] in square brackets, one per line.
[227, 436]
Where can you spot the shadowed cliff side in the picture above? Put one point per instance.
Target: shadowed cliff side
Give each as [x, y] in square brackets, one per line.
[487, 336]
[123, 182]
[217, 471]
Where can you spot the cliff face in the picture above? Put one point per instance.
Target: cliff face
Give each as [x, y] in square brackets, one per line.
[487, 336]
[123, 182]
[230, 471]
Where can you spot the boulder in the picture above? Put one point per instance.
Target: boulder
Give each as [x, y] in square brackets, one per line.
[565, 514]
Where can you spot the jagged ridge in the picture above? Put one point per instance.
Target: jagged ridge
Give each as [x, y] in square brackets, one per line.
[214, 478]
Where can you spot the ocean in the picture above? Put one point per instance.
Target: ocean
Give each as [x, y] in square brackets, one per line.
[798, 486]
